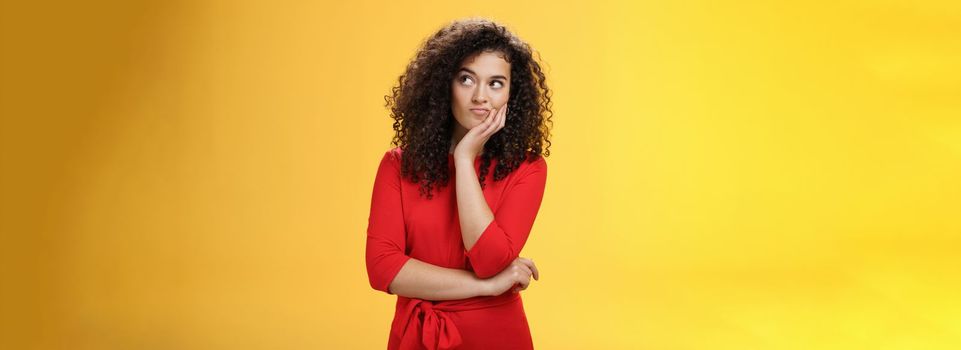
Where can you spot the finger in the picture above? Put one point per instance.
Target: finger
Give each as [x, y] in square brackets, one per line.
[524, 284]
[494, 122]
[504, 120]
[502, 116]
[488, 122]
[534, 269]
[523, 271]
[530, 264]
[524, 279]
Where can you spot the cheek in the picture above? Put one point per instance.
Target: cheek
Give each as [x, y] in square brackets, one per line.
[458, 95]
[502, 96]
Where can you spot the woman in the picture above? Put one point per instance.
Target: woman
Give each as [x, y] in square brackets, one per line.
[454, 202]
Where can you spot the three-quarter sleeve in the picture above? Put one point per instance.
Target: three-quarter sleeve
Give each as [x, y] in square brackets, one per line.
[386, 235]
[505, 236]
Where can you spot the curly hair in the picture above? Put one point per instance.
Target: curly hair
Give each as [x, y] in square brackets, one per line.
[420, 104]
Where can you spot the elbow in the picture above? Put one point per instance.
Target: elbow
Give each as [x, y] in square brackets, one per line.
[380, 280]
[488, 266]
[376, 280]
[375, 285]
[492, 252]
[382, 272]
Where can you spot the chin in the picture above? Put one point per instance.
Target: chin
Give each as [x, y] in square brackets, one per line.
[467, 123]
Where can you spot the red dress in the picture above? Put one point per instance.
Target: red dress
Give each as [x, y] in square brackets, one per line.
[403, 225]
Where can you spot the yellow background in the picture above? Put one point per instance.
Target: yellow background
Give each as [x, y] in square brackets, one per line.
[739, 175]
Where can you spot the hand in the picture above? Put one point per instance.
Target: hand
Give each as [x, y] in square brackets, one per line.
[516, 277]
[473, 142]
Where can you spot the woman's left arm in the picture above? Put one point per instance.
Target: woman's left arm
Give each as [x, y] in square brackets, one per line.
[472, 209]
[494, 240]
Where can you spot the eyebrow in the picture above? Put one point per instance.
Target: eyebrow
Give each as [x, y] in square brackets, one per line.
[493, 77]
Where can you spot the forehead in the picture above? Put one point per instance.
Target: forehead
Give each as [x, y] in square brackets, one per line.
[487, 63]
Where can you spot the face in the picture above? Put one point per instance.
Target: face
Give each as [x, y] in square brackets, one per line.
[482, 83]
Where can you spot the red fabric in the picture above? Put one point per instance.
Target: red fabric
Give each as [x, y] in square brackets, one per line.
[403, 225]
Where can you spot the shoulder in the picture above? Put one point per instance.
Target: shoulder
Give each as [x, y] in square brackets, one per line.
[534, 163]
[391, 160]
[539, 161]
[393, 154]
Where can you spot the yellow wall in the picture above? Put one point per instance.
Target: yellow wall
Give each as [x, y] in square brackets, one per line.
[742, 175]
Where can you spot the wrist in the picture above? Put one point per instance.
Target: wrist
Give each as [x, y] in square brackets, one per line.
[462, 156]
[484, 286]
[464, 162]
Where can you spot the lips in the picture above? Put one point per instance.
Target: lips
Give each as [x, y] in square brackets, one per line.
[480, 111]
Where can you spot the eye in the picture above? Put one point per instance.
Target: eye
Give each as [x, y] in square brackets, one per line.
[466, 80]
[497, 84]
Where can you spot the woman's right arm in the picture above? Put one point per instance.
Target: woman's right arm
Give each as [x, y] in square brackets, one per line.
[418, 279]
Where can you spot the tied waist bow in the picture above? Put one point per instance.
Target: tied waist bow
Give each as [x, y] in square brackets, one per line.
[429, 323]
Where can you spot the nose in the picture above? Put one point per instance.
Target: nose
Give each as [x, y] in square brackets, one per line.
[480, 96]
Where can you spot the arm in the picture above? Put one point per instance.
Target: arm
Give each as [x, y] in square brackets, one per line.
[418, 279]
[472, 209]
[389, 269]
[493, 241]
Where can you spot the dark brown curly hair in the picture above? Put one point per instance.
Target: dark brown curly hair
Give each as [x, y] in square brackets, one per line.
[420, 104]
